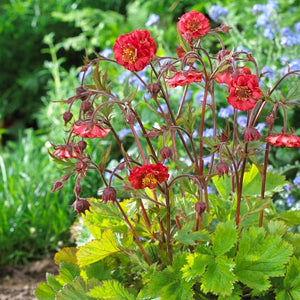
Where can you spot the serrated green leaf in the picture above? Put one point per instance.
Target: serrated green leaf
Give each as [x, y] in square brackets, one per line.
[196, 264]
[294, 240]
[67, 255]
[290, 217]
[260, 257]
[219, 277]
[98, 249]
[76, 290]
[276, 228]
[110, 290]
[67, 273]
[223, 186]
[185, 235]
[44, 292]
[53, 282]
[224, 238]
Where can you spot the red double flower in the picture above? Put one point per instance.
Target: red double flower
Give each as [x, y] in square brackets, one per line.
[134, 50]
[90, 130]
[243, 92]
[227, 75]
[148, 176]
[283, 140]
[182, 78]
[192, 25]
[67, 151]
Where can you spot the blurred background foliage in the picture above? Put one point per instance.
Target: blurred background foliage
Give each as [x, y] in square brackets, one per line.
[43, 44]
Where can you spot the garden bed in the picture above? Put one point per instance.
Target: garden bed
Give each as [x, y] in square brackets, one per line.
[19, 282]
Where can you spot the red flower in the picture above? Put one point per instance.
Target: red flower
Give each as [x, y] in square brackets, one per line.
[134, 50]
[243, 92]
[283, 140]
[182, 78]
[66, 151]
[90, 130]
[251, 134]
[148, 176]
[226, 75]
[192, 25]
[180, 52]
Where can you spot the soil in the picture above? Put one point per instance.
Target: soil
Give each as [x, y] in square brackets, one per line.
[19, 282]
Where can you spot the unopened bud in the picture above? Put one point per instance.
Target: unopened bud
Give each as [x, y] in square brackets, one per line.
[85, 106]
[57, 186]
[81, 167]
[222, 168]
[130, 118]
[222, 54]
[109, 194]
[166, 152]
[152, 134]
[82, 145]
[200, 207]
[154, 89]
[81, 205]
[251, 134]
[82, 93]
[67, 116]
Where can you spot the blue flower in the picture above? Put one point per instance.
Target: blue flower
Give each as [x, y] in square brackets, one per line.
[284, 60]
[106, 53]
[209, 132]
[164, 107]
[241, 48]
[260, 127]
[188, 96]
[200, 96]
[258, 8]
[270, 72]
[296, 181]
[242, 121]
[123, 132]
[262, 20]
[85, 74]
[287, 41]
[297, 27]
[288, 188]
[226, 112]
[286, 31]
[217, 12]
[294, 65]
[153, 19]
[290, 200]
[210, 190]
[269, 33]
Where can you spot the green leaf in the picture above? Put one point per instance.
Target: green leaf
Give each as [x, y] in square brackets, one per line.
[110, 290]
[219, 278]
[196, 264]
[290, 217]
[53, 282]
[76, 291]
[186, 237]
[225, 237]
[223, 186]
[260, 257]
[170, 284]
[67, 255]
[45, 292]
[67, 273]
[276, 228]
[291, 281]
[98, 249]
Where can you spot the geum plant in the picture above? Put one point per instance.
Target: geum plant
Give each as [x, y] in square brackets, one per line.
[182, 216]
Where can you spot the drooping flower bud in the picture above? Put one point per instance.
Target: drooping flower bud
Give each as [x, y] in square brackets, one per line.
[81, 205]
[130, 118]
[151, 134]
[166, 152]
[222, 54]
[82, 93]
[200, 207]
[67, 116]
[154, 89]
[251, 134]
[222, 168]
[57, 186]
[109, 194]
[82, 145]
[81, 167]
[85, 106]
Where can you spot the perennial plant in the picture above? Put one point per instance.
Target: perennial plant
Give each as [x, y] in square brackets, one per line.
[184, 214]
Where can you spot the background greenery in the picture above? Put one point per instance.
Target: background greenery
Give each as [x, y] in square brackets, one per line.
[42, 48]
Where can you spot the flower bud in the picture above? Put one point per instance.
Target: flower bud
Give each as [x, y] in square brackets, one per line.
[81, 205]
[222, 168]
[85, 106]
[152, 134]
[166, 152]
[251, 134]
[81, 167]
[57, 186]
[109, 194]
[67, 116]
[222, 54]
[130, 118]
[200, 207]
[82, 93]
[81, 145]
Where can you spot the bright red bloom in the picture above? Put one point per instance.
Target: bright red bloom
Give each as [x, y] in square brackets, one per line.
[243, 92]
[182, 78]
[226, 75]
[90, 130]
[283, 140]
[251, 134]
[192, 25]
[148, 176]
[66, 151]
[134, 50]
